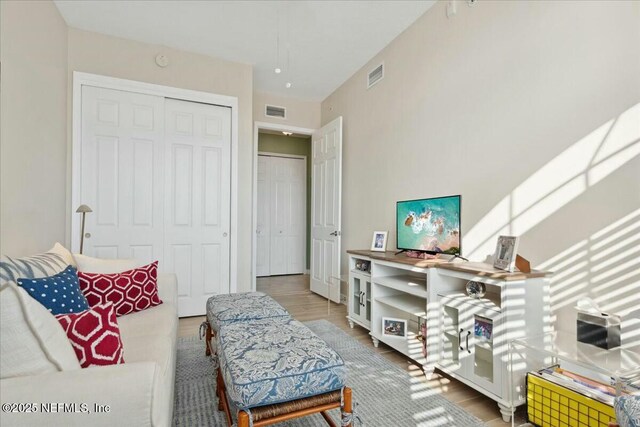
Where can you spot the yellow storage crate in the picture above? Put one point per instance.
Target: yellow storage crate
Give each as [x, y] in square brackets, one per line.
[551, 405]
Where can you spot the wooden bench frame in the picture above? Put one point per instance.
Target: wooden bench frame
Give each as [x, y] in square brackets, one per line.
[271, 414]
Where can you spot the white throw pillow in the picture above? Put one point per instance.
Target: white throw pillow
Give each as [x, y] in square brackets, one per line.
[32, 342]
[89, 264]
[47, 264]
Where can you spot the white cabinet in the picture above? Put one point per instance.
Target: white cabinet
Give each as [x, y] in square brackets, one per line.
[466, 338]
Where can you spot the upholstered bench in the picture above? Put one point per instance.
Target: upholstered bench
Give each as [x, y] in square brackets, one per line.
[274, 369]
[242, 307]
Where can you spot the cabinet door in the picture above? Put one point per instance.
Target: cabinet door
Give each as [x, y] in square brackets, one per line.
[486, 349]
[355, 295]
[453, 337]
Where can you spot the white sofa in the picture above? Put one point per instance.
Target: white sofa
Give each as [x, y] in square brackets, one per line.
[139, 392]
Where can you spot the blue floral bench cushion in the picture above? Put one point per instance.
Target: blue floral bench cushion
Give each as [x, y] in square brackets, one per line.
[228, 308]
[276, 360]
[628, 411]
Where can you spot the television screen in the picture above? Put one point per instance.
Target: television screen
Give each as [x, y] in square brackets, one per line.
[430, 225]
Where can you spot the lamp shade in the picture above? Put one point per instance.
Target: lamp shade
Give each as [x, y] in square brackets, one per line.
[83, 209]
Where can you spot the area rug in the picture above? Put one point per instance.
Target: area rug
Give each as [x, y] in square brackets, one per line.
[385, 394]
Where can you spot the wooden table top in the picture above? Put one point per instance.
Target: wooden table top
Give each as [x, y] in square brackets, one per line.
[477, 268]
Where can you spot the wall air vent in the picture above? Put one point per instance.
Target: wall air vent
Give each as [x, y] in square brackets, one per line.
[273, 111]
[375, 75]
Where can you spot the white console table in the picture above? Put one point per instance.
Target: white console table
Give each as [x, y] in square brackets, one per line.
[467, 338]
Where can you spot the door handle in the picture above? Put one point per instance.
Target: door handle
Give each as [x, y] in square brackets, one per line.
[335, 233]
[360, 299]
[468, 333]
[460, 339]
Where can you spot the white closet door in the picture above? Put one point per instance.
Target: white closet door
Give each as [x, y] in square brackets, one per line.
[296, 236]
[122, 161]
[263, 230]
[280, 215]
[197, 224]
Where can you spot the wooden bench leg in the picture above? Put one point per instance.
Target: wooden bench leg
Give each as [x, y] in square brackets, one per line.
[220, 390]
[243, 419]
[207, 343]
[348, 406]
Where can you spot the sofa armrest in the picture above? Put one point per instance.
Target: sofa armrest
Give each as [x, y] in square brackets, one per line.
[168, 288]
[127, 389]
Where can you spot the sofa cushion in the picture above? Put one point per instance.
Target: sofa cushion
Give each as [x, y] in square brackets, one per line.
[129, 291]
[229, 308]
[52, 262]
[94, 335]
[159, 320]
[60, 293]
[31, 339]
[275, 360]
[99, 265]
[161, 349]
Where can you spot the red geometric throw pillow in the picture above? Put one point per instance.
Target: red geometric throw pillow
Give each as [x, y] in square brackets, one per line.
[129, 291]
[94, 335]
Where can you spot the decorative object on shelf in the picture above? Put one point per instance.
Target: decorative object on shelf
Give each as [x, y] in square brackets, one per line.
[483, 328]
[522, 264]
[476, 289]
[379, 241]
[506, 251]
[363, 265]
[421, 255]
[83, 209]
[394, 327]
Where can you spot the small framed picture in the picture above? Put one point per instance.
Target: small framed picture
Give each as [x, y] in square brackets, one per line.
[379, 242]
[394, 327]
[506, 251]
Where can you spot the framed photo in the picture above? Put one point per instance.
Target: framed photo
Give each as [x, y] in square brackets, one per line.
[506, 251]
[394, 327]
[379, 241]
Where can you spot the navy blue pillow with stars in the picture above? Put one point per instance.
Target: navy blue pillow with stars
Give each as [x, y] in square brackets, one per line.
[60, 294]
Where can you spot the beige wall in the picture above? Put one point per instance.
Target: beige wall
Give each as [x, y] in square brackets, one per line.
[530, 111]
[304, 114]
[116, 57]
[33, 131]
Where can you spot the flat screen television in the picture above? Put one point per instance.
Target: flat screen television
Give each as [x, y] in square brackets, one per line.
[429, 225]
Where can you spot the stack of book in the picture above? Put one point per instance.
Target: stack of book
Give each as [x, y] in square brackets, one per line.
[586, 386]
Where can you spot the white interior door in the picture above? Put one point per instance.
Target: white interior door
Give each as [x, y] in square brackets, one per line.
[121, 177]
[197, 202]
[263, 221]
[281, 222]
[326, 188]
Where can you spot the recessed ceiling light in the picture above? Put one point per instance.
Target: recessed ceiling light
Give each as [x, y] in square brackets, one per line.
[287, 133]
[288, 85]
[278, 70]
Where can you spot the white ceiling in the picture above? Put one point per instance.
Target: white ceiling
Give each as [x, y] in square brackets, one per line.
[327, 41]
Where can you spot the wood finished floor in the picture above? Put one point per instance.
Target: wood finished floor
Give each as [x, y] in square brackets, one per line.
[294, 294]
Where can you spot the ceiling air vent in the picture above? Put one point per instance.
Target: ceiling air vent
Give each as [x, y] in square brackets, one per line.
[273, 111]
[375, 75]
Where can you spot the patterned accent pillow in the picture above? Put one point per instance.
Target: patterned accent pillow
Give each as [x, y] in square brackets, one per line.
[94, 335]
[628, 411]
[60, 294]
[52, 262]
[129, 291]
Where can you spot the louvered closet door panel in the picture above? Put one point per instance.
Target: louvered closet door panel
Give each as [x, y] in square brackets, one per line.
[121, 178]
[197, 202]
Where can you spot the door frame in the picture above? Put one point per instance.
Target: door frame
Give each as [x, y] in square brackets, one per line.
[257, 126]
[86, 79]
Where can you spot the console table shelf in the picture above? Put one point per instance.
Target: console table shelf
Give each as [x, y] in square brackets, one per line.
[466, 338]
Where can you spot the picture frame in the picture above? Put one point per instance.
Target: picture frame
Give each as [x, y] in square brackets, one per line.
[504, 257]
[379, 241]
[392, 327]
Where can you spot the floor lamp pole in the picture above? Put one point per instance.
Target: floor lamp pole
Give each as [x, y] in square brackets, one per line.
[83, 209]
